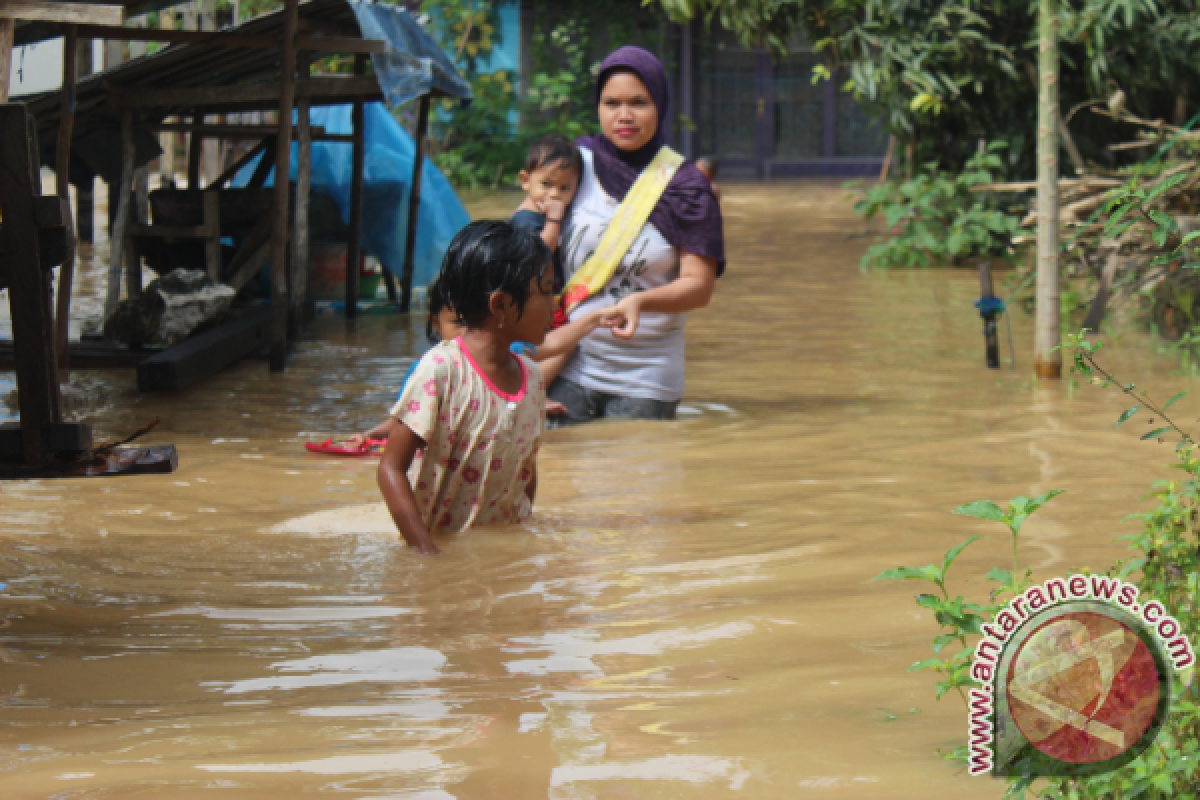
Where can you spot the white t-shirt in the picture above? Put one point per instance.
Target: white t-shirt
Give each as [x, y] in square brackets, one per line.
[649, 365]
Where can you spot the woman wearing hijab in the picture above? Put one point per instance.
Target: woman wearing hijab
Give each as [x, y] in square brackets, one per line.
[669, 266]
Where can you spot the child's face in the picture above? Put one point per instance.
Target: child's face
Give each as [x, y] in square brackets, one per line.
[445, 326]
[539, 309]
[550, 182]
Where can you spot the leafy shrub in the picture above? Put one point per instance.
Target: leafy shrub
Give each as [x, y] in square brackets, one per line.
[936, 218]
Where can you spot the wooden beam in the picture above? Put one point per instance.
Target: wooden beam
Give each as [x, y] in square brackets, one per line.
[353, 241]
[195, 149]
[323, 44]
[6, 45]
[171, 231]
[124, 212]
[304, 133]
[340, 44]
[32, 325]
[236, 167]
[323, 87]
[212, 243]
[283, 158]
[224, 131]
[195, 359]
[78, 13]
[414, 204]
[119, 33]
[62, 169]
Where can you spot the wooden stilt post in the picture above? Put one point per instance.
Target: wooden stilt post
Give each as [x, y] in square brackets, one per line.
[303, 185]
[353, 244]
[33, 326]
[195, 150]
[1047, 358]
[62, 168]
[123, 214]
[414, 204]
[7, 25]
[85, 197]
[283, 162]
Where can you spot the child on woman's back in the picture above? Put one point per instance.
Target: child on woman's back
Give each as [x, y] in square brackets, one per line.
[470, 420]
[553, 169]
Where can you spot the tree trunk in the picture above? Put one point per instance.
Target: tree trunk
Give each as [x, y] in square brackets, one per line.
[1046, 359]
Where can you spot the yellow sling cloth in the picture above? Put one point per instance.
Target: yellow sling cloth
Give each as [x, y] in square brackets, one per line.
[623, 230]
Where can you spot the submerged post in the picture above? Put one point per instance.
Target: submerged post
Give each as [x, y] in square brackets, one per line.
[989, 307]
[62, 169]
[303, 188]
[1047, 359]
[123, 213]
[414, 203]
[353, 244]
[283, 159]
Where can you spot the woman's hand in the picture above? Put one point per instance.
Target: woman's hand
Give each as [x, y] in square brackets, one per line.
[625, 316]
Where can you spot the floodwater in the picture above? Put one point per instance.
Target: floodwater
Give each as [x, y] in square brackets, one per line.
[689, 614]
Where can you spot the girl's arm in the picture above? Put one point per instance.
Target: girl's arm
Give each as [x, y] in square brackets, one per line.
[561, 341]
[693, 289]
[393, 482]
[531, 487]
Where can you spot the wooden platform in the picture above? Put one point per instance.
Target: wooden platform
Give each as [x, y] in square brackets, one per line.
[155, 460]
[86, 355]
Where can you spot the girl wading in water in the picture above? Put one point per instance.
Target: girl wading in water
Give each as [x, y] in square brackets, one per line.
[644, 234]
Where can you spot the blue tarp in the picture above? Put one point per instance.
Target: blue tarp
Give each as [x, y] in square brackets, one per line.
[387, 171]
[413, 64]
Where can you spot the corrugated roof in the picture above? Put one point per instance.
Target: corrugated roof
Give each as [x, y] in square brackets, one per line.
[29, 31]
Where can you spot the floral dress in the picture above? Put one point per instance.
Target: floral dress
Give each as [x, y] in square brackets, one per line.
[481, 444]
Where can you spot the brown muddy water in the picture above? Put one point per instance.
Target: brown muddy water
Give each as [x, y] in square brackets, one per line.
[689, 614]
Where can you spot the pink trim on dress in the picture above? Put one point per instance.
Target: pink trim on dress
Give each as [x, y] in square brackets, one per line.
[512, 398]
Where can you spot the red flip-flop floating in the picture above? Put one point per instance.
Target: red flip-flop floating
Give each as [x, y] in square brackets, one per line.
[371, 447]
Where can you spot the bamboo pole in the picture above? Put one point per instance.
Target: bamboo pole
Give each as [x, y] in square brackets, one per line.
[7, 26]
[300, 250]
[353, 242]
[123, 213]
[1047, 359]
[283, 163]
[414, 204]
[62, 169]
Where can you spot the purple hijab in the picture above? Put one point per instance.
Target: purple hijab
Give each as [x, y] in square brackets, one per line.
[687, 215]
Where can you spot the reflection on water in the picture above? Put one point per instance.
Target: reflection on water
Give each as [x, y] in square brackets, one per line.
[688, 614]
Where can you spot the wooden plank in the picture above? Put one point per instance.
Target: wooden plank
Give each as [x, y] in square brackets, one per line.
[414, 205]
[85, 355]
[79, 13]
[119, 33]
[283, 157]
[123, 213]
[354, 238]
[258, 238]
[32, 325]
[7, 25]
[304, 132]
[212, 242]
[195, 150]
[340, 44]
[172, 231]
[155, 460]
[348, 138]
[255, 261]
[236, 167]
[263, 94]
[62, 168]
[224, 131]
[195, 359]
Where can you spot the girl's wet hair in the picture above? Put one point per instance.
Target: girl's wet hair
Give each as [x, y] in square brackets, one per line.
[437, 304]
[485, 257]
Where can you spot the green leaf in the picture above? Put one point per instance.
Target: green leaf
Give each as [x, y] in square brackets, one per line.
[1001, 576]
[1129, 412]
[939, 642]
[929, 663]
[1170, 402]
[1154, 434]
[952, 554]
[982, 509]
[926, 573]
